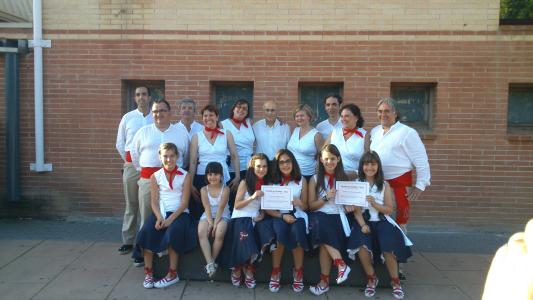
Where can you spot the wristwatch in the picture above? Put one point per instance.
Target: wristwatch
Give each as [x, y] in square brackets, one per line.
[325, 198]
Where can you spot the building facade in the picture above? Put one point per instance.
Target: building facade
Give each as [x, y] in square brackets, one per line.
[465, 82]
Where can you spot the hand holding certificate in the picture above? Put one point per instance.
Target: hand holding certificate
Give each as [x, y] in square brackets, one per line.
[351, 193]
[276, 197]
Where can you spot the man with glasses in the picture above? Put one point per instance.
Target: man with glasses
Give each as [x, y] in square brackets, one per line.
[187, 111]
[145, 157]
[128, 127]
[270, 134]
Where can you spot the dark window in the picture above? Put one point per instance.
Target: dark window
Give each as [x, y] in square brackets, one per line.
[313, 95]
[415, 101]
[520, 108]
[225, 94]
[156, 87]
[516, 12]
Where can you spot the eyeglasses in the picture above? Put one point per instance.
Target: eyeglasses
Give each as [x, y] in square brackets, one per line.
[270, 110]
[158, 111]
[285, 162]
[139, 94]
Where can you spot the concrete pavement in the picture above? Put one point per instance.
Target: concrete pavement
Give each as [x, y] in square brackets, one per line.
[78, 260]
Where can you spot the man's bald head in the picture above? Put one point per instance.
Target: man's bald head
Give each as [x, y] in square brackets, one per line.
[271, 113]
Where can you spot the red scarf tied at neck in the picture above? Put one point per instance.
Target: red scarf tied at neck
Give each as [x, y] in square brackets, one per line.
[346, 131]
[239, 122]
[214, 131]
[285, 180]
[331, 178]
[258, 183]
[171, 174]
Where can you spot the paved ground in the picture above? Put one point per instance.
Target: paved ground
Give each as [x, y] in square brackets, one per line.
[77, 259]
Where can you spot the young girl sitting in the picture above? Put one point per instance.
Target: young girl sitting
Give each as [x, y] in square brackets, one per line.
[213, 222]
[169, 227]
[290, 227]
[240, 248]
[374, 228]
[328, 224]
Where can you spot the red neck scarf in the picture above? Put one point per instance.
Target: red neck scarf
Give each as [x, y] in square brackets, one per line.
[243, 122]
[171, 175]
[346, 131]
[285, 180]
[214, 131]
[331, 178]
[258, 183]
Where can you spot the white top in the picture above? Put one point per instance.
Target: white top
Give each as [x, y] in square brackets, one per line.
[195, 127]
[329, 207]
[214, 202]
[325, 127]
[296, 188]
[170, 199]
[129, 125]
[304, 150]
[351, 150]
[251, 210]
[208, 152]
[148, 139]
[401, 150]
[271, 139]
[244, 142]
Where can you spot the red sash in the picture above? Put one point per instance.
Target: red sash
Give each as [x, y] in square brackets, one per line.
[148, 171]
[399, 186]
[128, 156]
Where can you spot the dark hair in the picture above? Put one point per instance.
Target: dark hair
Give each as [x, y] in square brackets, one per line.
[162, 101]
[356, 112]
[213, 167]
[296, 174]
[188, 101]
[340, 175]
[237, 103]
[333, 95]
[144, 86]
[168, 146]
[371, 157]
[211, 108]
[251, 179]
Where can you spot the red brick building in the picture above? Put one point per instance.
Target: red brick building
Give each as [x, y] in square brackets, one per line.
[465, 81]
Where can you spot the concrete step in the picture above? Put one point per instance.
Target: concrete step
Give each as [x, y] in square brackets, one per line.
[192, 266]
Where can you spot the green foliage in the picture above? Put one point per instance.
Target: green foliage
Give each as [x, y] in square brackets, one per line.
[516, 9]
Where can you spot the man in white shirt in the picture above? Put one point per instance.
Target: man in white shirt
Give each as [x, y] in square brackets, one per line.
[332, 104]
[128, 127]
[145, 151]
[401, 151]
[187, 111]
[270, 134]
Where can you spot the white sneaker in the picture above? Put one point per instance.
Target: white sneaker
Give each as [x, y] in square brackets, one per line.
[165, 282]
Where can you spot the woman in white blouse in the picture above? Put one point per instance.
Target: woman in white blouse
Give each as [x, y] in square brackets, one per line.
[305, 141]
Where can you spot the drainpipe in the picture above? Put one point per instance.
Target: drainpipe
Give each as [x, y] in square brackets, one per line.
[38, 43]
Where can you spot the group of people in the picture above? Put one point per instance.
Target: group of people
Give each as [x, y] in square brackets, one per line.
[194, 183]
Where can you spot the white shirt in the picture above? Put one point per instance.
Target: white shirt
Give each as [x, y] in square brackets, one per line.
[145, 150]
[304, 150]
[244, 142]
[170, 198]
[195, 127]
[325, 127]
[251, 210]
[129, 125]
[401, 150]
[271, 139]
[214, 203]
[208, 152]
[351, 150]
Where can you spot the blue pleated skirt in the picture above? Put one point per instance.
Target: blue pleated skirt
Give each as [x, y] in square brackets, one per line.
[181, 235]
[240, 243]
[291, 235]
[327, 229]
[383, 237]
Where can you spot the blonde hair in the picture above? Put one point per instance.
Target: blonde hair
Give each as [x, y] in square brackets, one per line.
[308, 110]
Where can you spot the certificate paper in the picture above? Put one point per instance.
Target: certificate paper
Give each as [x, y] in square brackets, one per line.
[276, 197]
[351, 193]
